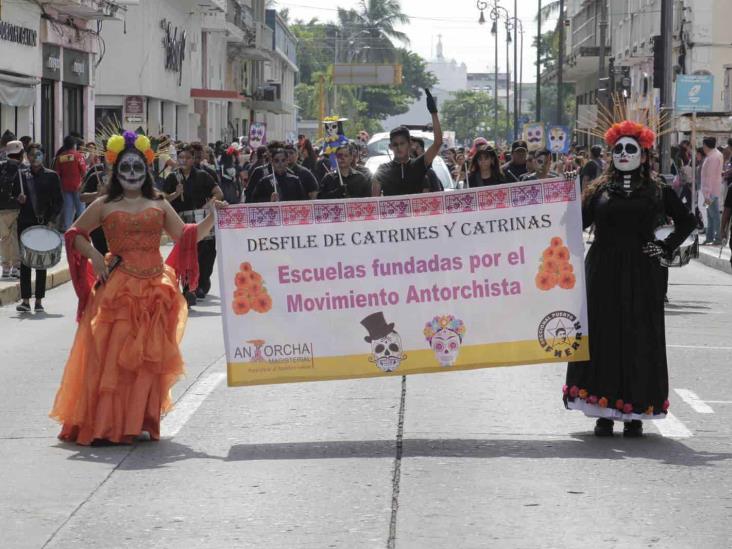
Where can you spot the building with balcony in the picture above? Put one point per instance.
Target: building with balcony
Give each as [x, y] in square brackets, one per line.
[46, 66]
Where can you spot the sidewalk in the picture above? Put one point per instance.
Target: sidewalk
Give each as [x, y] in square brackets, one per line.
[709, 256]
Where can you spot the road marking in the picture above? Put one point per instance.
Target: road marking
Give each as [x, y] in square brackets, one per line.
[718, 401]
[693, 400]
[671, 427]
[699, 347]
[189, 403]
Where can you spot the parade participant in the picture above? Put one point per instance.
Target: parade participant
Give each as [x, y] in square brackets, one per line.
[543, 164]
[263, 170]
[44, 203]
[592, 168]
[126, 356]
[350, 184]
[189, 190]
[432, 182]
[485, 169]
[94, 186]
[307, 155]
[12, 197]
[201, 160]
[281, 185]
[405, 175]
[307, 179]
[6, 138]
[626, 377]
[334, 138]
[71, 168]
[516, 167]
[231, 184]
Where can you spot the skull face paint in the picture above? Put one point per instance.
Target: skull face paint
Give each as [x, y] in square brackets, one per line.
[445, 335]
[131, 171]
[626, 154]
[331, 129]
[387, 352]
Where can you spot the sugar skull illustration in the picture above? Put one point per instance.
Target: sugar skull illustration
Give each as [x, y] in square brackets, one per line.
[445, 335]
[534, 136]
[387, 351]
[558, 139]
[257, 135]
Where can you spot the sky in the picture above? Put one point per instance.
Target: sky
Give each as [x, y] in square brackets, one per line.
[456, 20]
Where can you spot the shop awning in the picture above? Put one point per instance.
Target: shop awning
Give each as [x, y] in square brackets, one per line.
[18, 91]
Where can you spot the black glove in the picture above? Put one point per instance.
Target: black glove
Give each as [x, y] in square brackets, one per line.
[431, 103]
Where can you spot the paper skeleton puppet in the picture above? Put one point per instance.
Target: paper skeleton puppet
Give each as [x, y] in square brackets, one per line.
[387, 351]
[558, 139]
[445, 335]
[334, 137]
[534, 135]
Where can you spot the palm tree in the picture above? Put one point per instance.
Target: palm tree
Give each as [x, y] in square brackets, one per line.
[378, 20]
[549, 11]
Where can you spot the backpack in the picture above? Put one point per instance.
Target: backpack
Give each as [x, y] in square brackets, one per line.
[9, 183]
[231, 189]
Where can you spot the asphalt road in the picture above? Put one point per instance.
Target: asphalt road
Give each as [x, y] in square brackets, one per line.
[482, 459]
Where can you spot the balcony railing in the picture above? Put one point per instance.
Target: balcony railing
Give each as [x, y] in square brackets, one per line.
[239, 15]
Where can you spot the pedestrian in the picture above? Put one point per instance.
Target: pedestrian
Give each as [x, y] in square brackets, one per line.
[306, 177]
[12, 198]
[405, 175]
[543, 165]
[229, 175]
[71, 168]
[626, 377]
[432, 181]
[350, 183]
[281, 185]
[188, 190]
[126, 354]
[263, 169]
[44, 203]
[485, 169]
[94, 186]
[307, 155]
[6, 138]
[516, 167]
[711, 187]
[593, 168]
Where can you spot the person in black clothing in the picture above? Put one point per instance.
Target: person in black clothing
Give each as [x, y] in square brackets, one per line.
[307, 155]
[485, 169]
[306, 177]
[726, 215]
[514, 169]
[593, 167]
[44, 203]
[201, 161]
[263, 170]
[189, 189]
[432, 182]
[543, 163]
[92, 187]
[405, 175]
[355, 184]
[322, 168]
[280, 186]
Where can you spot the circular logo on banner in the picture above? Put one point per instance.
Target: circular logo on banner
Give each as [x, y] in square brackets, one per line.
[560, 334]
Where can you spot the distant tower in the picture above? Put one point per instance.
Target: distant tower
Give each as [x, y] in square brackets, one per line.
[440, 54]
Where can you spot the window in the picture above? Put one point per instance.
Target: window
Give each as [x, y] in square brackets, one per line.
[73, 105]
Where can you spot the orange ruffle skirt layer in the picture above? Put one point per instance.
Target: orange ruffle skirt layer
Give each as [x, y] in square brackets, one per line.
[124, 360]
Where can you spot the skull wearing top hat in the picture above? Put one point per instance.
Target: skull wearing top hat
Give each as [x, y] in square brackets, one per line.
[386, 344]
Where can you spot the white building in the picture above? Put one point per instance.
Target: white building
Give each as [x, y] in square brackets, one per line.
[47, 54]
[451, 77]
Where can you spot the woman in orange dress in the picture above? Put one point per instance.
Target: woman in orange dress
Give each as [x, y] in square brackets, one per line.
[125, 357]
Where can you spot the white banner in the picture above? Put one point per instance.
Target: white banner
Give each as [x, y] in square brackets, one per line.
[400, 285]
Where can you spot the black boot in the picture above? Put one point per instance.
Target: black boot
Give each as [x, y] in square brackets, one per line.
[633, 429]
[604, 427]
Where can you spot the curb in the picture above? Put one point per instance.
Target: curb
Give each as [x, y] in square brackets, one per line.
[54, 278]
[715, 262]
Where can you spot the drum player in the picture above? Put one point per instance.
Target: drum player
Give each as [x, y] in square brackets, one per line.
[44, 202]
[189, 189]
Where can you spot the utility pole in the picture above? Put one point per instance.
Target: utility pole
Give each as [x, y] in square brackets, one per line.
[560, 66]
[515, 72]
[667, 30]
[335, 88]
[538, 64]
[603, 40]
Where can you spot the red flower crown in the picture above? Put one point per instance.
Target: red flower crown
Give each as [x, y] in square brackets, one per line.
[627, 128]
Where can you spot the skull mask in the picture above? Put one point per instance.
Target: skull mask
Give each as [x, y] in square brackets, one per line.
[446, 345]
[131, 171]
[626, 154]
[331, 129]
[556, 140]
[387, 352]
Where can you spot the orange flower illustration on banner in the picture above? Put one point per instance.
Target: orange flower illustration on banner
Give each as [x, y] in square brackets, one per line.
[250, 293]
[555, 268]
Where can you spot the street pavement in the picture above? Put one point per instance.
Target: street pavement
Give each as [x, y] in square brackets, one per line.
[480, 459]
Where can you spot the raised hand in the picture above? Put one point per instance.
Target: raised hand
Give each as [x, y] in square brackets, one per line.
[431, 102]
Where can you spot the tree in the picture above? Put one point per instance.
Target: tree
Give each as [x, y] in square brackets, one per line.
[549, 103]
[472, 113]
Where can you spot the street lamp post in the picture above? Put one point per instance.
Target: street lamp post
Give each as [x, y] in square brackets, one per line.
[515, 24]
[495, 14]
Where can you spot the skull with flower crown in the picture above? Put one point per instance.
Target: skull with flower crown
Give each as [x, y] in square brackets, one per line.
[445, 335]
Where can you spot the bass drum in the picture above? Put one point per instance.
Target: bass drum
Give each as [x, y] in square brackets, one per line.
[688, 250]
[40, 247]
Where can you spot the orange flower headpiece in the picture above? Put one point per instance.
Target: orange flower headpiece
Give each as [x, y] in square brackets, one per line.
[627, 128]
[128, 140]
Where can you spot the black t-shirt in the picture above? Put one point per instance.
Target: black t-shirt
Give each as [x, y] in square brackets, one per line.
[591, 170]
[309, 183]
[397, 178]
[474, 180]
[355, 185]
[513, 172]
[197, 189]
[289, 188]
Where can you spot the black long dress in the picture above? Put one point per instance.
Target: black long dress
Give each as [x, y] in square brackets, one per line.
[626, 377]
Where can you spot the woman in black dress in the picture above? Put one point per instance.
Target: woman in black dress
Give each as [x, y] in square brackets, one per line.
[626, 378]
[485, 169]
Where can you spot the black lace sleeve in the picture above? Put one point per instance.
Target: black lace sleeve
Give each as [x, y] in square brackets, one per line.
[588, 208]
[684, 222]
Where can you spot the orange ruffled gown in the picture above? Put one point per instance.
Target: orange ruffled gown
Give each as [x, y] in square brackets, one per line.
[125, 356]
